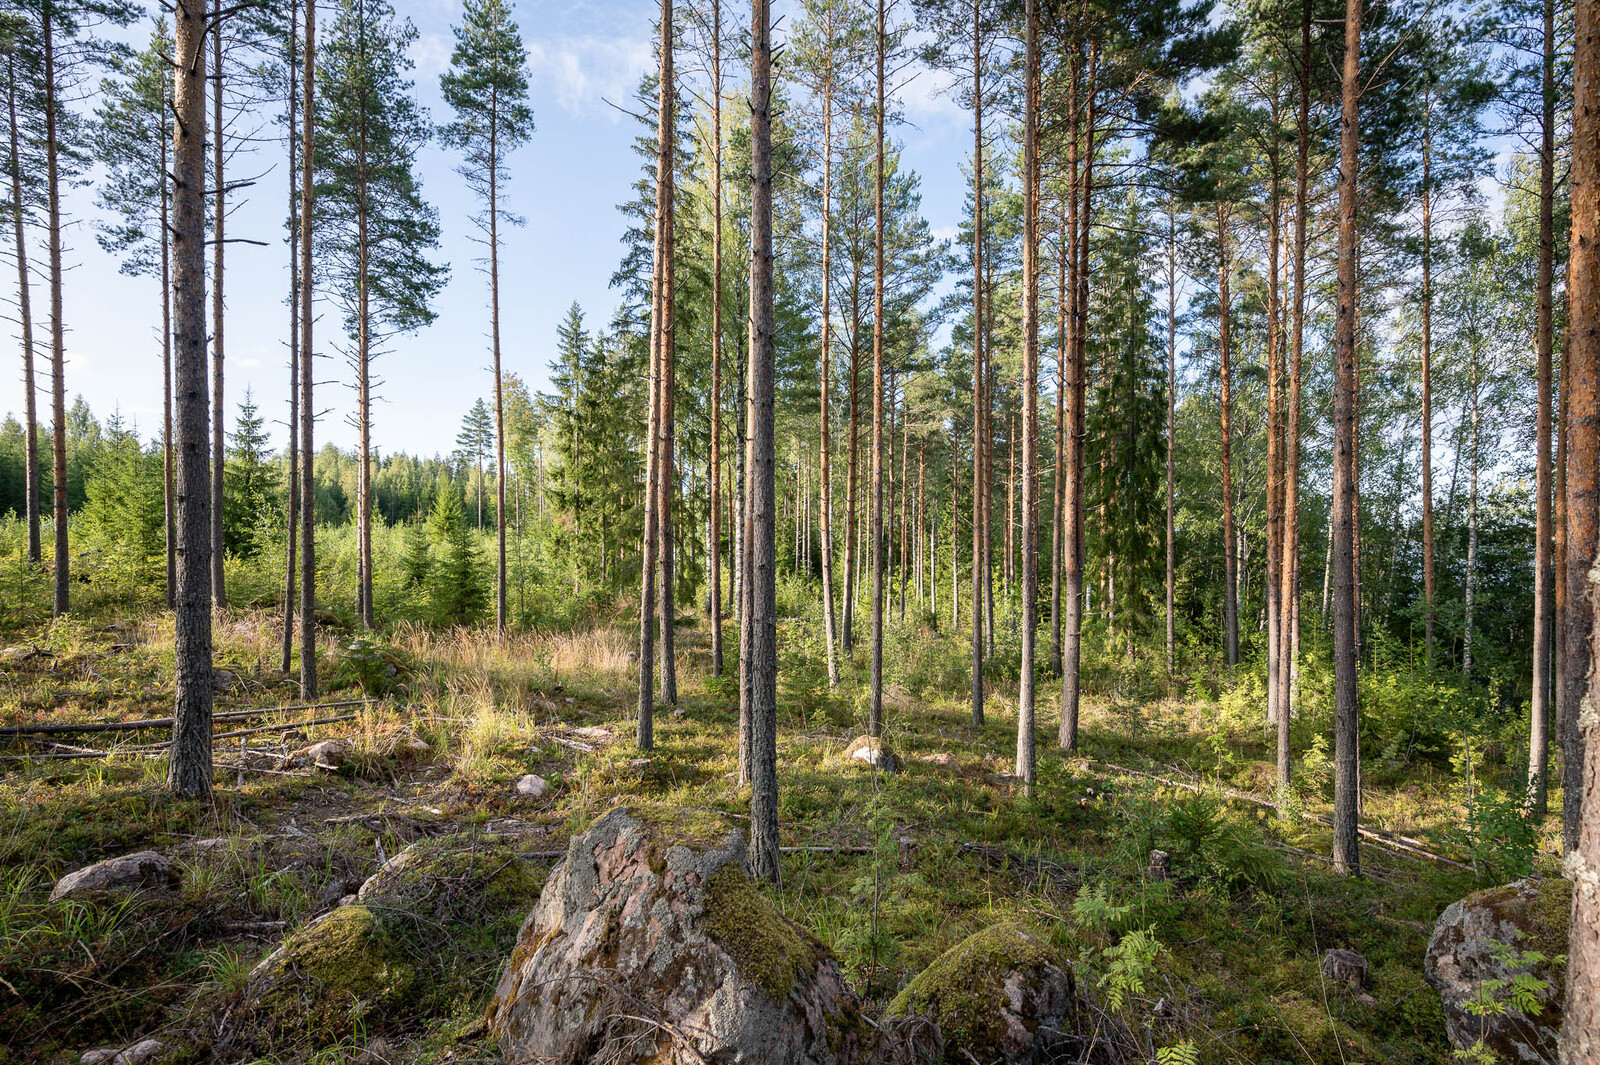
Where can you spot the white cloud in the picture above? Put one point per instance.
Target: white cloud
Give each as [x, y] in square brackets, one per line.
[583, 72]
[928, 98]
[431, 53]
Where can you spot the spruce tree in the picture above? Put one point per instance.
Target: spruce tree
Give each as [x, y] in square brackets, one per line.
[373, 226]
[487, 87]
[475, 441]
[458, 597]
[133, 130]
[251, 484]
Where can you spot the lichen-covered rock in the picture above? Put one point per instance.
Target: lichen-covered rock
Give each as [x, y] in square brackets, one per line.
[1482, 938]
[1004, 994]
[145, 1050]
[328, 755]
[651, 944]
[330, 975]
[141, 869]
[874, 752]
[530, 786]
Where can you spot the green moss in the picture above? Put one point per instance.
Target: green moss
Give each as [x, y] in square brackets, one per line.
[770, 950]
[962, 989]
[456, 879]
[1550, 917]
[332, 973]
[670, 825]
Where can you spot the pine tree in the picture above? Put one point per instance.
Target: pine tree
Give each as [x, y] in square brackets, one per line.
[374, 227]
[487, 86]
[417, 562]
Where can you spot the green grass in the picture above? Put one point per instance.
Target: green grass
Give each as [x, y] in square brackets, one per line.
[949, 849]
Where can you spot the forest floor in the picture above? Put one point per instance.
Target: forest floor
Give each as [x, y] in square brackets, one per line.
[887, 869]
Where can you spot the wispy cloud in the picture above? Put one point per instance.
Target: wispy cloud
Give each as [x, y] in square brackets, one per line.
[583, 72]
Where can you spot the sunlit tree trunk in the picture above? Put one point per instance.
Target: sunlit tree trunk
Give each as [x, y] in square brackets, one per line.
[308, 517]
[58, 349]
[875, 707]
[1030, 398]
[978, 542]
[30, 429]
[714, 467]
[1347, 754]
[1230, 541]
[286, 655]
[763, 350]
[189, 760]
[1544, 574]
[219, 428]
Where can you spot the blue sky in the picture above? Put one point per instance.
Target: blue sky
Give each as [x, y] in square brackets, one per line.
[567, 182]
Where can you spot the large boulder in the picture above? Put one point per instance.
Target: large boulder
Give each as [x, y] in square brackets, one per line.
[651, 944]
[1004, 994]
[1484, 941]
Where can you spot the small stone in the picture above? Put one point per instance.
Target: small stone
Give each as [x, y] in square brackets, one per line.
[874, 752]
[18, 654]
[325, 754]
[1344, 967]
[1366, 999]
[133, 1054]
[1160, 867]
[144, 868]
[335, 890]
[594, 734]
[224, 680]
[531, 786]
[942, 758]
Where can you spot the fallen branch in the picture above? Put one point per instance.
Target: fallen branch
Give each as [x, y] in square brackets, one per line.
[166, 722]
[1389, 841]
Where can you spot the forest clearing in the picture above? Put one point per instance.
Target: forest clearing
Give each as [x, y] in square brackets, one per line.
[1075, 540]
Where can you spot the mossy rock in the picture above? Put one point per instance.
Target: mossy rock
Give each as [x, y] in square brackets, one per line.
[770, 950]
[452, 880]
[1004, 994]
[338, 971]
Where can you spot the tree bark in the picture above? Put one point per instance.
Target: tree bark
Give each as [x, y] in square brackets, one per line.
[1543, 571]
[1230, 600]
[1581, 1026]
[58, 353]
[189, 760]
[666, 469]
[30, 429]
[1080, 201]
[1172, 429]
[286, 655]
[1347, 754]
[1058, 495]
[653, 434]
[308, 516]
[715, 471]
[762, 357]
[875, 708]
[219, 420]
[1026, 770]
[978, 394]
[1428, 580]
[499, 379]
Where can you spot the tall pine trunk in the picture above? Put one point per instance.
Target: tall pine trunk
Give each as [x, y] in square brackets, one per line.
[1172, 428]
[219, 434]
[286, 656]
[1230, 551]
[1030, 398]
[714, 567]
[1581, 822]
[30, 429]
[978, 394]
[189, 761]
[499, 379]
[1346, 725]
[763, 642]
[58, 349]
[308, 517]
[875, 707]
[667, 373]
[1543, 571]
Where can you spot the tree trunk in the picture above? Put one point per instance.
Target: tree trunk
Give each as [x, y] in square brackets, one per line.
[1276, 673]
[1428, 580]
[30, 429]
[1030, 398]
[1543, 572]
[653, 434]
[219, 419]
[825, 448]
[1080, 201]
[1290, 569]
[763, 349]
[714, 568]
[1172, 428]
[1230, 600]
[1470, 583]
[1581, 1027]
[58, 351]
[1058, 486]
[286, 655]
[666, 465]
[1347, 754]
[189, 760]
[977, 365]
[308, 418]
[875, 708]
